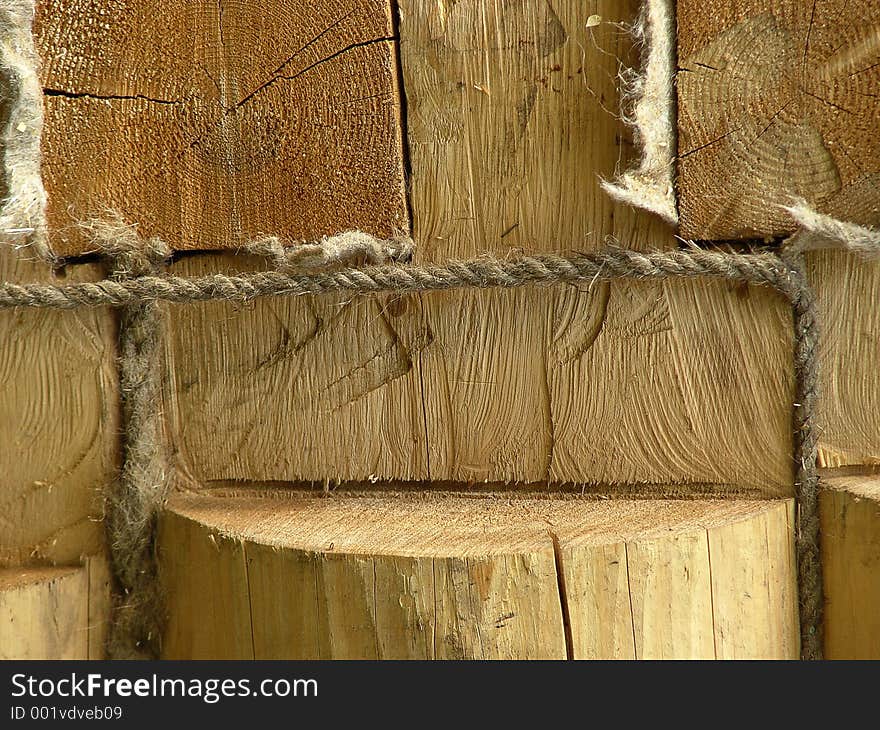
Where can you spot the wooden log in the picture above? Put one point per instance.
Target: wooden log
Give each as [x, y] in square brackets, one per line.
[423, 388]
[58, 424]
[207, 122]
[415, 376]
[849, 406]
[753, 134]
[777, 98]
[850, 513]
[44, 613]
[444, 576]
[642, 384]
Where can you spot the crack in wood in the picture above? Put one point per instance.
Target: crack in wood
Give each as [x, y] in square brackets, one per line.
[65, 94]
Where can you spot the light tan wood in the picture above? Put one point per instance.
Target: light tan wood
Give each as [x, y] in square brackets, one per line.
[726, 591]
[750, 597]
[211, 605]
[100, 604]
[596, 580]
[44, 613]
[58, 422]
[419, 576]
[846, 290]
[674, 383]
[511, 119]
[206, 122]
[850, 514]
[777, 98]
[323, 605]
[671, 598]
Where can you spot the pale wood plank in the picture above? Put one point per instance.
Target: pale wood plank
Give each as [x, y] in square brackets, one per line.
[671, 594]
[633, 389]
[59, 423]
[209, 613]
[850, 515]
[499, 607]
[417, 576]
[100, 604]
[597, 590]
[754, 601]
[511, 111]
[44, 613]
[296, 388]
[347, 607]
[405, 607]
[283, 587]
[849, 407]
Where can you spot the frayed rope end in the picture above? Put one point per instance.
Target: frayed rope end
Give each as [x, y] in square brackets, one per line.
[348, 248]
[649, 109]
[22, 210]
[633, 190]
[821, 231]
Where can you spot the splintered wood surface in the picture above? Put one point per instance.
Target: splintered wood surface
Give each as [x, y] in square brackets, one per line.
[777, 98]
[209, 122]
[59, 421]
[849, 406]
[508, 105]
[850, 514]
[452, 577]
[641, 384]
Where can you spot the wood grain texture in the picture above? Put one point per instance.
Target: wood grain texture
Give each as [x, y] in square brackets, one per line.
[58, 423]
[508, 103]
[671, 598]
[673, 383]
[328, 606]
[850, 514]
[100, 587]
[454, 577]
[849, 406]
[700, 590]
[206, 122]
[44, 613]
[752, 598]
[297, 388]
[198, 620]
[777, 98]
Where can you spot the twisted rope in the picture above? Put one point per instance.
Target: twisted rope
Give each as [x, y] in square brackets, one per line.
[483, 273]
[134, 500]
[139, 293]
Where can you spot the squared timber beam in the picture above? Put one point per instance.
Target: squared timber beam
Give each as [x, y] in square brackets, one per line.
[206, 123]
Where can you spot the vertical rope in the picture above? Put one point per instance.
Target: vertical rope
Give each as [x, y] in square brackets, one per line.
[134, 500]
[648, 107]
[806, 446]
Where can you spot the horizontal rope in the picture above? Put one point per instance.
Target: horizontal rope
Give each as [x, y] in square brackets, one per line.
[481, 273]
